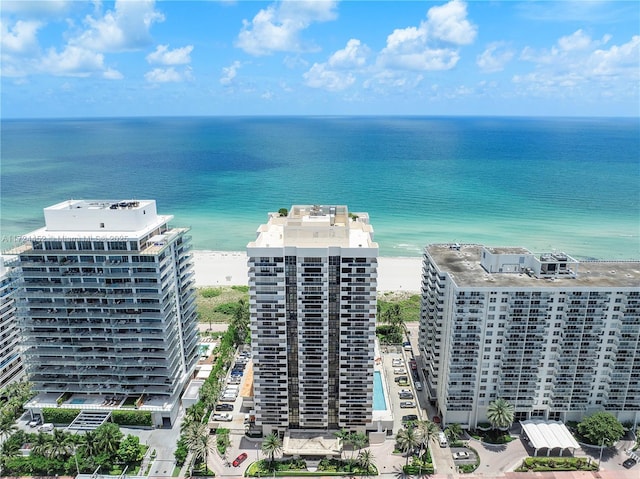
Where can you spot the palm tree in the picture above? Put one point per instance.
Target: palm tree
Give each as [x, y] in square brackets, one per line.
[428, 430]
[500, 414]
[240, 321]
[7, 425]
[271, 446]
[365, 460]
[407, 440]
[197, 440]
[358, 440]
[109, 437]
[453, 432]
[59, 445]
[343, 438]
[90, 444]
[40, 444]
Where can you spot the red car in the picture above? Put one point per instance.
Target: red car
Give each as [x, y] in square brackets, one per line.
[413, 363]
[238, 460]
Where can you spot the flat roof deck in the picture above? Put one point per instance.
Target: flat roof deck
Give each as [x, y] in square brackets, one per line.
[463, 266]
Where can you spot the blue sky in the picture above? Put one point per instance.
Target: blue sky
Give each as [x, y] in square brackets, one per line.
[183, 58]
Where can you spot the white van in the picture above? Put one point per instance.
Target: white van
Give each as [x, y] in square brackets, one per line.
[443, 440]
[47, 427]
[418, 385]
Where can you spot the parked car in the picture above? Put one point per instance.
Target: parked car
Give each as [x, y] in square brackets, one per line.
[399, 371]
[405, 391]
[461, 455]
[234, 380]
[240, 459]
[629, 463]
[223, 417]
[34, 423]
[47, 427]
[418, 385]
[396, 362]
[413, 364]
[407, 404]
[401, 379]
[409, 418]
[224, 407]
[405, 395]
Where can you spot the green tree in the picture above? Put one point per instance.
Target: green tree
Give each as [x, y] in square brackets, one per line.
[343, 438]
[7, 425]
[407, 440]
[60, 445]
[271, 446]
[240, 322]
[358, 440]
[196, 438]
[40, 443]
[283, 212]
[428, 430]
[500, 414]
[365, 460]
[130, 450]
[453, 432]
[601, 428]
[109, 437]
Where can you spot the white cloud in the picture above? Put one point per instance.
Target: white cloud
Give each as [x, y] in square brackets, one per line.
[576, 62]
[111, 74]
[494, 58]
[72, 61]
[22, 38]
[229, 73]
[433, 45]
[167, 75]
[123, 29]
[353, 55]
[278, 27]
[36, 8]
[332, 80]
[449, 23]
[338, 72]
[164, 56]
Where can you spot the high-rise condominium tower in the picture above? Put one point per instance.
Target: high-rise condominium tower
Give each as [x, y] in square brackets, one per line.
[312, 283]
[107, 307]
[556, 337]
[10, 360]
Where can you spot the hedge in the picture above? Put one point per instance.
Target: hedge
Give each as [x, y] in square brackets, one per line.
[59, 415]
[132, 418]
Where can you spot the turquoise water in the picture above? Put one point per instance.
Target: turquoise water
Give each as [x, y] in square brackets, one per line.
[379, 402]
[77, 401]
[545, 184]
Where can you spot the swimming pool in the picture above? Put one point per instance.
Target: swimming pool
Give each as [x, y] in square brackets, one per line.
[379, 402]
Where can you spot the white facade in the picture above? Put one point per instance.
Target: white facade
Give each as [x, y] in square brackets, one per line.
[312, 286]
[11, 368]
[106, 302]
[555, 343]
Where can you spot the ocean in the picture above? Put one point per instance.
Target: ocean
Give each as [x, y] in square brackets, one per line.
[547, 184]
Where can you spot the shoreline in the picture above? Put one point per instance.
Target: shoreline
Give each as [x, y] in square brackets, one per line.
[229, 268]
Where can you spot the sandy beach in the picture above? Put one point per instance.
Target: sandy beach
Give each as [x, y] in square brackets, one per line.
[229, 268]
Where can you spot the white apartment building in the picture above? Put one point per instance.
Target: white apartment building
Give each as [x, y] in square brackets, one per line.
[106, 303]
[555, 337]
[312, 287]
[11, 368]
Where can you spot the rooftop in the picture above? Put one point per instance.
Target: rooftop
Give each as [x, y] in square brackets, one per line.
[316, 226]
[462, 262]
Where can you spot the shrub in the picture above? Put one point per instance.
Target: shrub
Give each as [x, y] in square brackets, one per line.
[59, 415]
[210, 292]
[132, 418]
[226, 308]
[241, 289]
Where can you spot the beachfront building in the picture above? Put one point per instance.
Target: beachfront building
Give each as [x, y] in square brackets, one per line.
[11, 368]
[312, 287]
[106, 303]
[556, 337]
